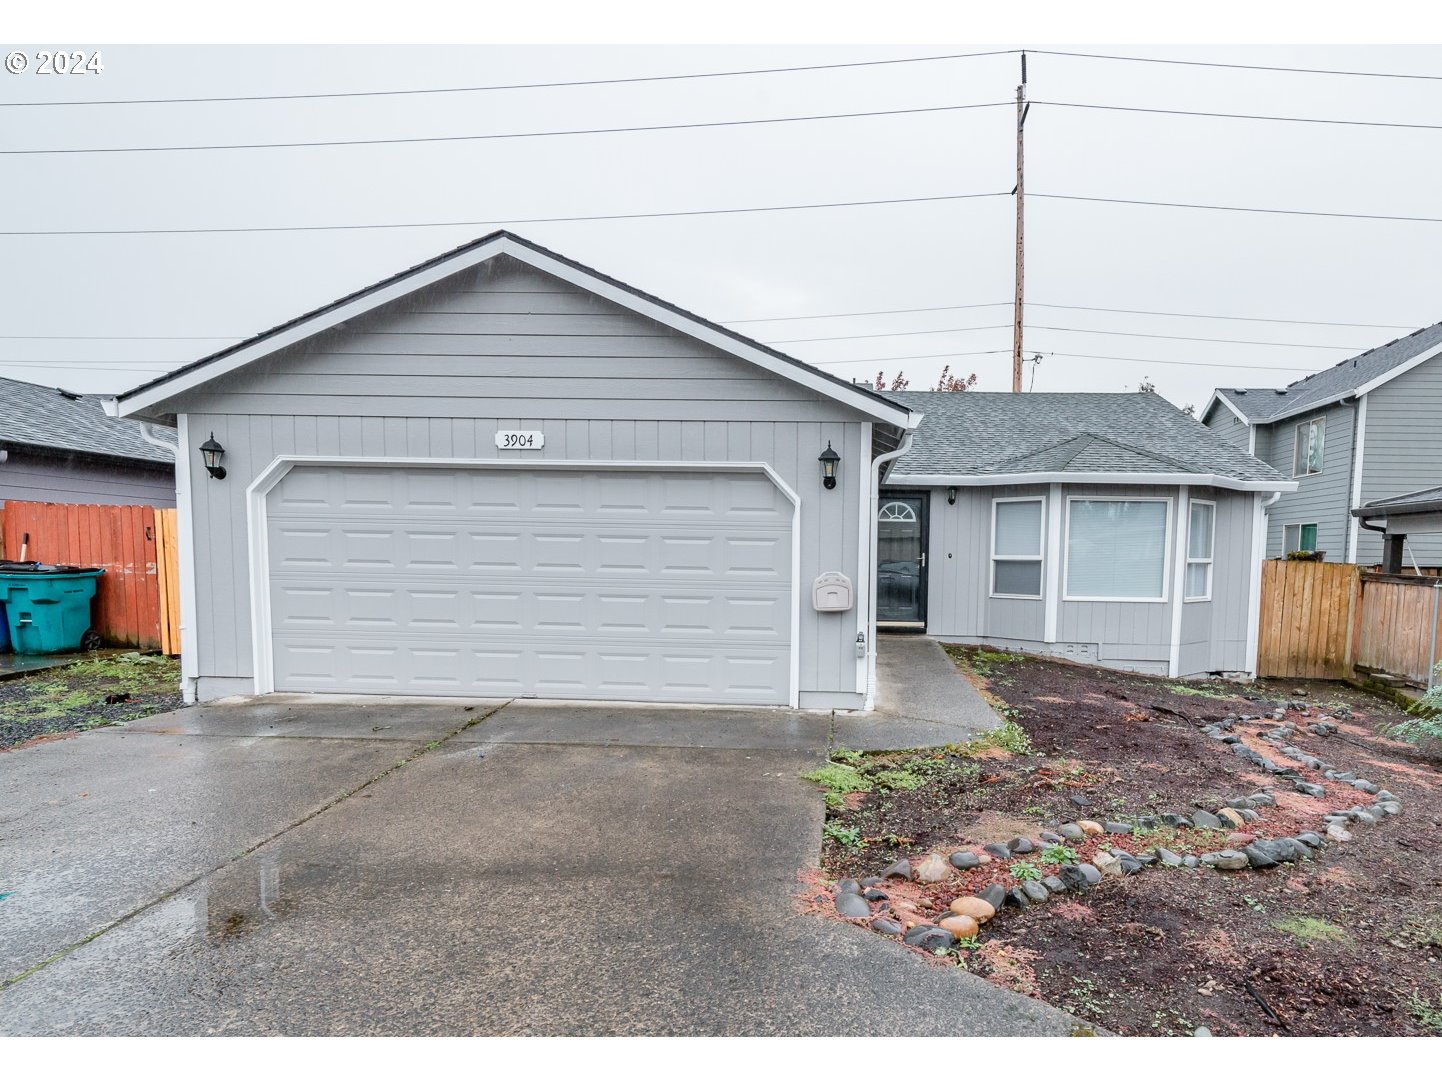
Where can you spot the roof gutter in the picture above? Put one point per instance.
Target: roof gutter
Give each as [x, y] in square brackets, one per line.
[1432, 506]
[1212, 480]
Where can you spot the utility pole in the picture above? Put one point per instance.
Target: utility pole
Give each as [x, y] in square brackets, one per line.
[1021, 110]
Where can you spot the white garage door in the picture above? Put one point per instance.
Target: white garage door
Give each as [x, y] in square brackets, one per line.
[647, 586]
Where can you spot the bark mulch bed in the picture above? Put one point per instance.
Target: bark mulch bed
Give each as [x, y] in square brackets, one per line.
[1348, 942]
[89, 694]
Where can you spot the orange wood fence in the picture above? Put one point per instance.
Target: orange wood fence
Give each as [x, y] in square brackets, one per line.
[1325, 620]
[137, 600]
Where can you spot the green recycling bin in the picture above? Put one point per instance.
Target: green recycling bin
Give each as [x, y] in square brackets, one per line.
[47, 609]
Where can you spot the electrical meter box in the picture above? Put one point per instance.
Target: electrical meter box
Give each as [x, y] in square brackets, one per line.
[831, 592]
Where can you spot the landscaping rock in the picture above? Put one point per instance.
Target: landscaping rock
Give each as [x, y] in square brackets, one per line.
[852, 905]
[1385, 796]
[1168, 857]
[1177, 821]
[1071, 831]
[1130, 865]
[1308, 789]
[1147, 822]
[876, 895]
[1240, 802]
[1366, 786]
[1207, 820]
[1257, 858]
[1367, 818]
[847, 885]
[1120, 828]
[1107, 864]
[1051, 838]
[961, 926]
[1054, 884]
[965, 861]
[1017, 898]
[872, 881]
[899, 869]
[1390, 807]
[1310, 839]
[1079, 801]
[1074, 878]
[928, 937]
[1190, 861]
[1337, 832]
[1020, 845]
[882, 925]
[977, 908]
[1248, 815]
[1228, 859]
[1232, 817]
[931, 869]
[1036, 893]
[1240, 840]
[993, 895]
[1090, 827]
[1000, 851]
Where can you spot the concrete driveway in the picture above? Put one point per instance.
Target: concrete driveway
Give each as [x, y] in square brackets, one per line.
[306, 866]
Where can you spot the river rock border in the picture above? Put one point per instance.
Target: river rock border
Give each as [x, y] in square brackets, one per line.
[868, 900]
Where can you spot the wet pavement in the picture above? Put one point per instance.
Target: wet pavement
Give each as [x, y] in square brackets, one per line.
[270, 867]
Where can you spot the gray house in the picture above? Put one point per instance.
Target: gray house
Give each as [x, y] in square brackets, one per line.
[1367, 429]
[59, 447]
[501, 473]
[1111, 529]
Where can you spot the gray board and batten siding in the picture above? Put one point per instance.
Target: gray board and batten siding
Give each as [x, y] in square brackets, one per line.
[46, 477]
[502, 346]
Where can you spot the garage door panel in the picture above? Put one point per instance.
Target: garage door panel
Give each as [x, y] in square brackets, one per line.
[571, 584]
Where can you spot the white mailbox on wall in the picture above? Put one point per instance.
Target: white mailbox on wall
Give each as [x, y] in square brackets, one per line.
[831, 592]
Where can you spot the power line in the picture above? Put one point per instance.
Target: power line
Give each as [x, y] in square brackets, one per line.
[505, 135]
[520, 86]
[1075, 330]
[1240, 116]
[500, 221]
[1072, 307]
[1238, 67]
[1182, 363]
[1235, 209]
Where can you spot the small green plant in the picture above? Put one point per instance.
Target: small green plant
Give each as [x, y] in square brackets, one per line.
[1009, 736]
[1034, 811]
[1310, 929]
[1025, 872]
[1059, 854]
[850, 757]
[845, 836]
[1196, 691]
[838, 779]
[1427, 1012]
[898, 780]
[1253, 904]
[1426, 726]
[984, 662]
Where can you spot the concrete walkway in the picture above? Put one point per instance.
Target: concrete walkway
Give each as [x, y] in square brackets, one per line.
[333, 866]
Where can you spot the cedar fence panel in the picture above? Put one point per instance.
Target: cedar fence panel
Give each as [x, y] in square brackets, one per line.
[1398, 625]
[136, 599]
[1305, 622]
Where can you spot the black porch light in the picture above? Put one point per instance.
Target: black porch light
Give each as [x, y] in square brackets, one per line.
[829, 460]
[211, 453]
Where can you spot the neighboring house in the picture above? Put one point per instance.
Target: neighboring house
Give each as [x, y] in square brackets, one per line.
[1367, 429]
[59, 447]
[1106, 528]
[501, 473]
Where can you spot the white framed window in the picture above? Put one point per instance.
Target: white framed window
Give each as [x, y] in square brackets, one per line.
[1117, 549]
[1299, 537]
[1201, 535]
[1016, 546]
[1307, 447]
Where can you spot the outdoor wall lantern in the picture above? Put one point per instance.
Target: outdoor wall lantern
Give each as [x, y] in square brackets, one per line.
[211, 453]
[828, 459]
[951, 496]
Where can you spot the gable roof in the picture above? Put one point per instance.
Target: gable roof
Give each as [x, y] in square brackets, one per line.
[979, 438]
[1356, 375]
[46, 417]
[141, 400]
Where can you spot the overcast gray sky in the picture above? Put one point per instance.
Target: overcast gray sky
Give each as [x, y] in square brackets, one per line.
[221, 287]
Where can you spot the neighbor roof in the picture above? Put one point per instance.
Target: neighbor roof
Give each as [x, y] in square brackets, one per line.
[979, 436]
[1262, 405]
[1427, 501]
[137, 401]
[36, 416]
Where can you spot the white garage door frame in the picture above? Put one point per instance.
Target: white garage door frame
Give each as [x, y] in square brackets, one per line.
[257, 521]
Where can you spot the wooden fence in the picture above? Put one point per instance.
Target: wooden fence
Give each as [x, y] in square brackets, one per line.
[1325, 620]
[137, 600]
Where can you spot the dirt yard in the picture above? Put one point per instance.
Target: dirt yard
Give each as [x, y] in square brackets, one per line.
[88, 694]
[1346, 942]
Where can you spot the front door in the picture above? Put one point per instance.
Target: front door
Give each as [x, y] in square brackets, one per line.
[901, 559]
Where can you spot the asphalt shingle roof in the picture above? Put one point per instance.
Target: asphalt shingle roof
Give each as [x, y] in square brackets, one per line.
[1264, 404]
[969, 433]
[37, 416]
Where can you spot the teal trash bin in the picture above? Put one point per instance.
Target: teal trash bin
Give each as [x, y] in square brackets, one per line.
[47, 609]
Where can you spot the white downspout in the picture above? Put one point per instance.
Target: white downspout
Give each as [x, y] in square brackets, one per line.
[876, 464]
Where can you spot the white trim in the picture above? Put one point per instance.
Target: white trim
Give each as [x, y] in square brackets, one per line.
[1040, 556]
[137, 401]
[1171, 480]
[1167, 541]
[865, 570]
[1053, 565]
[1401, 369]
[872, 505]
[1252, 440]
[272, 474]
[1218, 396]
[1359, 443]
[1296, 435]
[1254, 584]
[1179, 571]
[1210, 561]
[185, 536]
